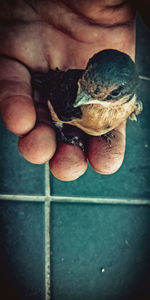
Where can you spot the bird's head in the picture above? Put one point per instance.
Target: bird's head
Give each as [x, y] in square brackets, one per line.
[106, 94]
[110, 77]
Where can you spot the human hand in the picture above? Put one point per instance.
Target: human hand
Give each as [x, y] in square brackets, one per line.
[63, 35]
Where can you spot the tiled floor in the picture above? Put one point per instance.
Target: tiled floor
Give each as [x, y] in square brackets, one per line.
[88, 239]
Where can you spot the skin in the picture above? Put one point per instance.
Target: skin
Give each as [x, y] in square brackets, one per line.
[64, 34]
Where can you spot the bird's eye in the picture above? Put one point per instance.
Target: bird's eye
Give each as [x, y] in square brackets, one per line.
[116, 92]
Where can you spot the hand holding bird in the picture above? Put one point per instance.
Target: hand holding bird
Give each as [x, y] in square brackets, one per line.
[63, 35]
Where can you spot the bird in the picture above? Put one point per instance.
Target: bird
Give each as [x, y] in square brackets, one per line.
[97, 99]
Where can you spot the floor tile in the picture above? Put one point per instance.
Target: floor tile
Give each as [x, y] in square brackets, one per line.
[133, 178]
[21, 251]
[100, 252]
[142, 48]
[17, 175]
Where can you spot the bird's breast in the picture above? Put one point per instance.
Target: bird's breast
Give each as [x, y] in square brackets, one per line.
[97, 119]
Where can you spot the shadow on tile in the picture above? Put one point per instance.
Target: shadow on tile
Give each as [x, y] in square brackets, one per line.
[142, 48]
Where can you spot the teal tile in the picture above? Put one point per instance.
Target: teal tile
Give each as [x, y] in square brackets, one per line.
[133, 178]
[100, 252]
[142, 48]
[17, 175]
[21, 251]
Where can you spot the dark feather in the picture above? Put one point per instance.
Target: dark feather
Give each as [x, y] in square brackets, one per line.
[111, 67]
[61, 89]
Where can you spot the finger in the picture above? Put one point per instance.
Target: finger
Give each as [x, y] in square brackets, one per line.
[39, 145]
[106, 153]
[68, 163]
[16, 105]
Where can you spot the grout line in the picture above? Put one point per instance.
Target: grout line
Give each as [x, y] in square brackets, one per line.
[47, 251]
[47, 180]
[100, 200]
[144, 77]
[47, 233]
[75, 199]
[22, 197]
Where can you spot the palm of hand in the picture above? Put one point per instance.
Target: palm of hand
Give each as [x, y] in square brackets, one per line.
[50, 36]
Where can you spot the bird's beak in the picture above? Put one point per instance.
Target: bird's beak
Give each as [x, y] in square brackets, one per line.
[82, 99]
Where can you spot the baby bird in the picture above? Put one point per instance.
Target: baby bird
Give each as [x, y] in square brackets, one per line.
[96, 99]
